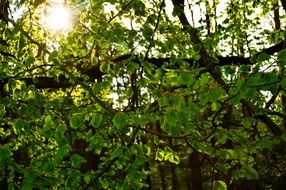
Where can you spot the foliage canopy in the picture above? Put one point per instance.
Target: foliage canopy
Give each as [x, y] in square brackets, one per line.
[163, 94]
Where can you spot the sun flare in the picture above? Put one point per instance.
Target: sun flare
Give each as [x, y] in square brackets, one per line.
[57, 18]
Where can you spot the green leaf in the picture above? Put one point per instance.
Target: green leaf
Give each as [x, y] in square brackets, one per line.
[139, 7]
[282, 58]
[244, 69]
[204, 80]
[216, 93]
[229, 70]
[146, 150]
[168, 152]
[29, 180]
[167, 124]
[50, 166]
[27, 184]
[263, 57]
[31, 95]
[2, 110]
[61, 129]
[215, 106]
[220, 167]
[140, 160]
[283, 83]
[77, 121]
[77, 160]
[47, 128]
[117, 153]
[87, 177]
[220, 185]
[266, 144]
[147, 33]
[177, 11]
[49, 121]
[222, 136]
[97, 142]
[174, 159]
[134, 176]
[21, 43]
[61, 153]
[52, 56]
[129, 93]
[151, 18]
[12, 85]
[20, 124]
[160, 154]
[118, 35]
[29, 61]
[283, 136]
[96, 119]
[104, 67]
[251, 173]
[38, 2]
[60, 134]
[131, 67]
[186, 78]
[11, 186]
[247, 122]
[119, 119]
[5, 152]
[96, 88]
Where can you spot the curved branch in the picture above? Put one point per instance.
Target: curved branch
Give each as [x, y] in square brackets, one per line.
[275, 129]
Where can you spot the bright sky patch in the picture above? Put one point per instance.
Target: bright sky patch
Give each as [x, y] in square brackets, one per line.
[57, 18]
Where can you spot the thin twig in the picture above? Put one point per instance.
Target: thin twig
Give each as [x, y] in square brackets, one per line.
[120, 12]
[155, 29]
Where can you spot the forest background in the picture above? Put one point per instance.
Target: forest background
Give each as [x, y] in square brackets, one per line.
[119, 94]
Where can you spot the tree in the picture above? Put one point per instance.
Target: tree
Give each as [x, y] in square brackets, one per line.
[167, 94]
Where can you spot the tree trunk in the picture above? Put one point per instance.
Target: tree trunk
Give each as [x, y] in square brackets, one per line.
[148, 178]
[195, 165]
[162, 176]
[175, 183]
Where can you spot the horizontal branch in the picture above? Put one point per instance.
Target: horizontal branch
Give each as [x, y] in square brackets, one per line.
[8, 54]
[47, 82]
[275, 129]
[95, 73]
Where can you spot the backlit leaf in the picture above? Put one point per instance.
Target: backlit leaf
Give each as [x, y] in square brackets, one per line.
[220, 185]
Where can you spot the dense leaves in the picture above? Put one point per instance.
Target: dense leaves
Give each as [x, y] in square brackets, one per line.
[167, 94]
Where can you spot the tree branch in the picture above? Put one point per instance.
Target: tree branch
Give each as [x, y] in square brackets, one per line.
[156, 27]
[275, 129]
[121, 11]
[8, 55]
[95, 73]
[215, 71]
